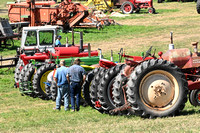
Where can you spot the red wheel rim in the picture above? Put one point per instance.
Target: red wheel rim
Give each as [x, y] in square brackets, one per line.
[198, 96]
[150, 10]
[127, 8]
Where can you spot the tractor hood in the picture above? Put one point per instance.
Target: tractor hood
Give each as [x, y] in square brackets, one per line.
[179, 57]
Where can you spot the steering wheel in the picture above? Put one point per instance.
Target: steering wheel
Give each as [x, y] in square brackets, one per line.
[148, 53]
[120, 55]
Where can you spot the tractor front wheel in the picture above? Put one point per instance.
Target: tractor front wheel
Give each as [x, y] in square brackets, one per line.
[195, 97]
[127, 7]
[157, 88]
[151, 10]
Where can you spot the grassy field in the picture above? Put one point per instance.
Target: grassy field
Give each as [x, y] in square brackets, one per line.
[135, 34]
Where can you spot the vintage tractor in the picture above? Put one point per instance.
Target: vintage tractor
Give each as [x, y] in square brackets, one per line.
[158, 87]
[126, 6]
[66, 14]
[148, 86]
[39, 56]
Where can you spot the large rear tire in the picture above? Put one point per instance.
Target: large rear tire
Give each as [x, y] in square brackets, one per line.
[105, 88]
[53, 90]
[87, 84]
[40, 77]
[157, 88]
[22, 84]
[118, 92]
[94, 89]
[28, 78]
[19, 66]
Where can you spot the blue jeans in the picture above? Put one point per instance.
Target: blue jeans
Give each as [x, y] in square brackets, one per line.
[63, 91]
[75, 90]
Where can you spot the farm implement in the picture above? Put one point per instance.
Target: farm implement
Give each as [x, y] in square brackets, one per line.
[66, 14]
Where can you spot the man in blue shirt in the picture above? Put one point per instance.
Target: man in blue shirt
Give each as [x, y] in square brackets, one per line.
[62, 86]
[76, 77]
[58, 43]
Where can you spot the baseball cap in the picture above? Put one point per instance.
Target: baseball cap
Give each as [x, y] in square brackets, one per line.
[59, 36]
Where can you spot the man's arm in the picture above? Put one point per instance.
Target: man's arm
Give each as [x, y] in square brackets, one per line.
[68, 79]
[55, 79]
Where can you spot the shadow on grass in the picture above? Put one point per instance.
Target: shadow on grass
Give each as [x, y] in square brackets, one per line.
[189, 112]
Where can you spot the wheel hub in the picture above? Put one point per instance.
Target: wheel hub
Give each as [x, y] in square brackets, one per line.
[157, 90]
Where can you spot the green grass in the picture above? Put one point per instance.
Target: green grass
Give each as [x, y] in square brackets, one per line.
[136, 34]
[25, 114]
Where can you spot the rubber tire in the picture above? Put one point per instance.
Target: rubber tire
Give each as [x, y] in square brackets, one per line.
[28, 77]
[151, 10]
[94, 88]
[125, 3]
[48, 90]
[198, 6]
[37, 77]
[53, 90]
[118, 93]
[193, 97]
[134, 82]
[87, 83]
[22, 75]
[105, 98]
[20, 64]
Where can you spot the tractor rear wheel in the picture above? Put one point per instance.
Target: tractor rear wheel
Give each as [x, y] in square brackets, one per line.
[127, 7]
[105, 88]
[198, 6]
[157, 88]
[53, 90]
[28, 78]
[151, 10]
[87, 84]
[118, 92]
[22, 84]
[40, 77]
[94, 89]
[194, 97]
[19, 66]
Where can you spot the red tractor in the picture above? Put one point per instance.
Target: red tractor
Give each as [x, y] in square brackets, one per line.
[131, 6]
[148, 86]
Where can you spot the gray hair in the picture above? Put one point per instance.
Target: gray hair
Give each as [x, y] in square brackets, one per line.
[62, 62]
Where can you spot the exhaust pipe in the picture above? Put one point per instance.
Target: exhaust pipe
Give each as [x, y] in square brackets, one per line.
[72, 36]
[81, 41]
[171, 46]
[111, 57]
[195, 47]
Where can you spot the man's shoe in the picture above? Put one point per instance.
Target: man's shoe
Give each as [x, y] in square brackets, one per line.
[72, 110]
[56, 109]
[77, 109]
